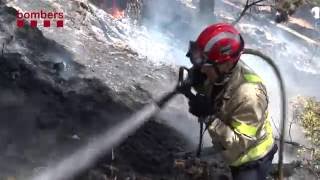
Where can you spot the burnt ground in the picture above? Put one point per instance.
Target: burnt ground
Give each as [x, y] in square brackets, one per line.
[46, 114]
[39, 119]
[60, 87]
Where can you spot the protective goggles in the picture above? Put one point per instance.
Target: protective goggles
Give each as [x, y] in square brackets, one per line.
[198, 58]
[196, 55]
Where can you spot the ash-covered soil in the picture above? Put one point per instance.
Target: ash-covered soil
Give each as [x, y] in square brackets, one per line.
[55, 96]
[61, 87]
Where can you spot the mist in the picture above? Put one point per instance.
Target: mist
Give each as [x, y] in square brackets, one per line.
[87, 155]
[171, 24]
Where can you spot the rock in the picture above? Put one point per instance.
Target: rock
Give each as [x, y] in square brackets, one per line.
[59, 66]
[75, 137]
[281, 16]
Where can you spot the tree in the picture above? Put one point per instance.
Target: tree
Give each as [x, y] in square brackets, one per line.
[206, 7]
[285, 8]
[246, 7]
[134, 10]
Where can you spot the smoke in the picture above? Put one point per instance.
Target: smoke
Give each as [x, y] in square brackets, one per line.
[296, 59]
[163, 38]
[176, 23]
[87, 155]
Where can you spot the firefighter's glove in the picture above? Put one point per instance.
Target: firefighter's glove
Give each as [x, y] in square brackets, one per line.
[200, 106]
[185, 90]
[198, 78]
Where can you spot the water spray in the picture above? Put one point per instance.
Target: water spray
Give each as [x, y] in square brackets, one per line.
[89, 154]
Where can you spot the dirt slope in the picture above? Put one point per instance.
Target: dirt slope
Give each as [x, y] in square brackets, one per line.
[52, 102]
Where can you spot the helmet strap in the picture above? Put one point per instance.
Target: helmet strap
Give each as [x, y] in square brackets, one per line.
[223, 78]
[217, 70]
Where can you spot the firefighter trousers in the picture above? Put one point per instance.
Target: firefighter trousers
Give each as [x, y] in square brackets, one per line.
[256, 170]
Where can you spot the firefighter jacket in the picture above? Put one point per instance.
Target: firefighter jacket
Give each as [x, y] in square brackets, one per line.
[241, 123]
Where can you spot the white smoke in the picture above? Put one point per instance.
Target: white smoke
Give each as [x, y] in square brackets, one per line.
[296, 58]
[163, 38]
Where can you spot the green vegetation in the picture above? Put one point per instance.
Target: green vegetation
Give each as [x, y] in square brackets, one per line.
[315, 2]
[308, 115]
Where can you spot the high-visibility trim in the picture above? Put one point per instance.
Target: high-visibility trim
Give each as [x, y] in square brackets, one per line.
[252, 78]
[218, 37]
[260, 149]
[243, 128]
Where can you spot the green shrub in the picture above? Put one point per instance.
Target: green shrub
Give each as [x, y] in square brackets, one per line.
[308, 115]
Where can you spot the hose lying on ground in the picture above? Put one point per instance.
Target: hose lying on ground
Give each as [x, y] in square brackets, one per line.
[283, 104]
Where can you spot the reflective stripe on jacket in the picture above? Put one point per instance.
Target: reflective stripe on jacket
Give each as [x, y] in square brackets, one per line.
[241, 124]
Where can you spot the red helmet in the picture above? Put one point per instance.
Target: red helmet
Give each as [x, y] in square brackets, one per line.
[219, 43]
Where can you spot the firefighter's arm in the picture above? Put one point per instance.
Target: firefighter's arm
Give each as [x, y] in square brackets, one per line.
[244, 116]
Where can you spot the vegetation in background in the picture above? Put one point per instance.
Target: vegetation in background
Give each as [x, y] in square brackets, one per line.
[315, 2]
[307, 113]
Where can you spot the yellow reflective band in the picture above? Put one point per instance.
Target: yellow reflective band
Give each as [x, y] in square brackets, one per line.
[243, 128]
[259, 150]
[252, 78]
[268, 126]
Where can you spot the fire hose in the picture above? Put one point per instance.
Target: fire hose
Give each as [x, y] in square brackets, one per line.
[283, 104]
[181, 82]
[88, 154]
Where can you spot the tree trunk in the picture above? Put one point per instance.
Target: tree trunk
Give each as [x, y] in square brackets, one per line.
[134, 10]
[206, 7]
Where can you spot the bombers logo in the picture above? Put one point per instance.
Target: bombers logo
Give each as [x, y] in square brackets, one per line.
[44, 17]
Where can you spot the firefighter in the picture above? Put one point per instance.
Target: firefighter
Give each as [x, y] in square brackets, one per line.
[234, 100]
